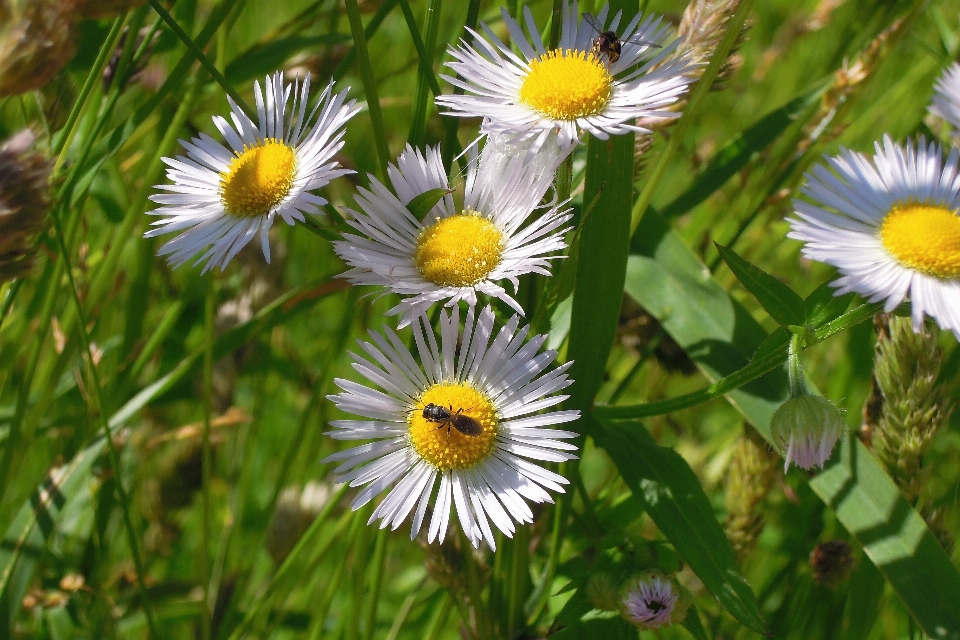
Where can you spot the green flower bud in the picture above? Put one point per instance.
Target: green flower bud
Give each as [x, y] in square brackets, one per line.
[806, 428]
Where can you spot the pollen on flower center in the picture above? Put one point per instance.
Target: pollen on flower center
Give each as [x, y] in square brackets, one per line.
[441, 443]
[923, 237]
[459, 251]
[566, 85]
[258, 179]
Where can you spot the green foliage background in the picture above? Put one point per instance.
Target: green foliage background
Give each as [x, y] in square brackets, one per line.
[695, 362]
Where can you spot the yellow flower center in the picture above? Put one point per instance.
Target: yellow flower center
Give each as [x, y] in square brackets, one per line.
[923, 237]
[459, 251]
[258, 179]
[566, 85]
[441, 443]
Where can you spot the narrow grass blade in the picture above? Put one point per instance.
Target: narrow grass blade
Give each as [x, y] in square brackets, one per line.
[36, 521]
[369, 86]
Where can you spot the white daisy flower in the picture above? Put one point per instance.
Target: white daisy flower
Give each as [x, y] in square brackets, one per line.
[220, 198]
[464, 421]
[455, 251]
[890, 225]
[946, 95]
[577, 86]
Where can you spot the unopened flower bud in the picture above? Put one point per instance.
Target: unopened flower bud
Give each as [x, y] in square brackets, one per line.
[806, 428]
[653, 600]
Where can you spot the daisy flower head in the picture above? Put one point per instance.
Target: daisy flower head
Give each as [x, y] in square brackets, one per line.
[653, 600]
[890, 225]
[946, 95]
[464, 424]
[222, 197]
[582, 85]
[455, 252]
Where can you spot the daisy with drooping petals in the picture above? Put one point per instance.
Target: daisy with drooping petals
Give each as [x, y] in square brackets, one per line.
[946, 95]
[571, 88]
[221, 198]
[455, 252]
[499, 384]
[890, 224]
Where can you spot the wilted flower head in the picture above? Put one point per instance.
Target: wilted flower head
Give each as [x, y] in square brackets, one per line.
[652, 600]
[806, 428]
[23, 204]
[831, 562]
[36, 41]
[946, 95]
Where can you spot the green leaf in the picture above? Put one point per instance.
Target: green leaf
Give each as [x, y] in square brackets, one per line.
[265, 58]
[669, 281]
[780, 301]
[863, 601]
[601, 263]
[675, 501]
[716, 332]
[894, 536]
[33, 525]
[607, 625]
[693, 624]
[421, 205]
[823, 305]
[741, 150]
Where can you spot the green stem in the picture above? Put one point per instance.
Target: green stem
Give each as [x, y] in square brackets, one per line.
[111, 446]
[452, 124]
[206, 455]
[320, 616]
[294, 560]
[476, 608]
[369, 85]
[560, 511]
[202, 58]
[425, 76]
[62, 145]
[798, 386]
[749, 373]
[376, 567]
[439, 618]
